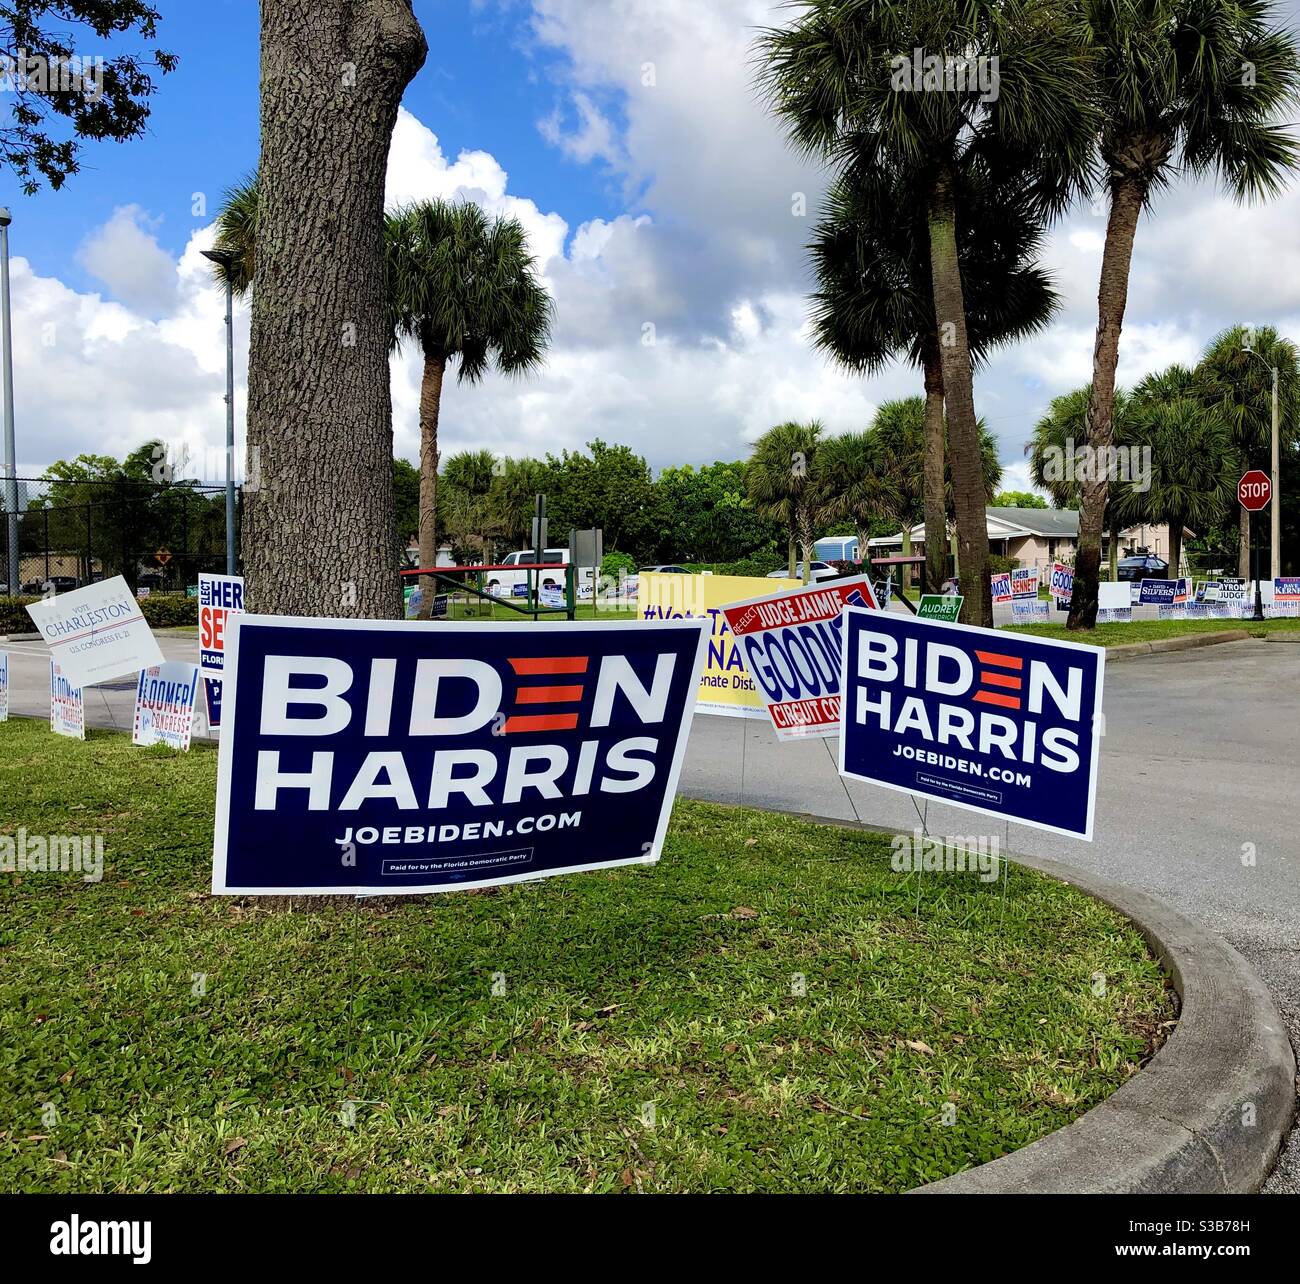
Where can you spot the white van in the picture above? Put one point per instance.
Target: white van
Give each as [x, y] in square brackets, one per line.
[507, 583]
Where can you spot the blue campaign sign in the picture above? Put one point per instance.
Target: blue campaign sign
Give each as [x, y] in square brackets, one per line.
[398, 757]
[993, 722]
[1162, 592]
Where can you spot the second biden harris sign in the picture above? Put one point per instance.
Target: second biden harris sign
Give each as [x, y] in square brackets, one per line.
[989, 721]
[364, 756]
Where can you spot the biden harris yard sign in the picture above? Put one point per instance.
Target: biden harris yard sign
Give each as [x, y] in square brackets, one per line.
[790, 645]
[362, 756]
[991, 722]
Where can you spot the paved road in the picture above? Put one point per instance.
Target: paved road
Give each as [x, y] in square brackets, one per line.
[1200, 757]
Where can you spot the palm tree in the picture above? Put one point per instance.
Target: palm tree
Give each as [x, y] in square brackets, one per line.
[1192, 458]
[846, 93]
[874, 299]
[1240, 381]
[464, 287]
[1184, 87]
[515, 486]
[1059, 445]
[461, 285]
[784, 482]
[859, 485]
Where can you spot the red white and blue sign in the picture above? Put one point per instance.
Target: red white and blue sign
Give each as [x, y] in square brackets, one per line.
[164, 705]
[394, 757]
[1286, 588]
[220, 597]
[1061, 584]
[790, 645]
[1162, 592]
[1003, 724]
[1022, 582]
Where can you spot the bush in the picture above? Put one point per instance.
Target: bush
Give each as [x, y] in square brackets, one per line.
[612, 563]
[848, 568]
[170, 610]
[13, 618]
[999, 564]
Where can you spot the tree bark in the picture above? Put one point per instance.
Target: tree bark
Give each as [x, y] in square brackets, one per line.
[969, 495]
[1114, 551]
[1175, 548]
[1112, 298]
[935, 505]
[804, 517]
[435, 367]
[318, 525]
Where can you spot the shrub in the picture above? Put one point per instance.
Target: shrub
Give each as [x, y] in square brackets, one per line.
[13, 618]
[612, 563]
[170, 610]
[1000, 564]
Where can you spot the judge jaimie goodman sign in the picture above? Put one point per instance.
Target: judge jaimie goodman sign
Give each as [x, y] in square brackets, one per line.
[395, 757]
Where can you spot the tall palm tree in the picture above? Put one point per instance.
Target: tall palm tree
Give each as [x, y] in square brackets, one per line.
[515, 486]
[784, 480]
[461, 285]
[837, 79]
[1184, 87]
[1241, 383]
[874, 299]
[1192, 458]
[464, 287]
[1058, 447]
[467, 480]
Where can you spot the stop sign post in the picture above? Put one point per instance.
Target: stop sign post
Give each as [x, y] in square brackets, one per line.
[1254, 490]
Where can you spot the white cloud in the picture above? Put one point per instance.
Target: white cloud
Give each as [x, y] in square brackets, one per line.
[125, 256]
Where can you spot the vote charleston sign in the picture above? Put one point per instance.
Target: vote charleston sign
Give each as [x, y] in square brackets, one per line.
[989, 722]
[401, 757]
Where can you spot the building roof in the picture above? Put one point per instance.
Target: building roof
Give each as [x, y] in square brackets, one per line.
[1007, 523]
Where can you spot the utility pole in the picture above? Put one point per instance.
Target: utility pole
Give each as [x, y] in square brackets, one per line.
[225, 260]
[1275, 516]
[11, 452]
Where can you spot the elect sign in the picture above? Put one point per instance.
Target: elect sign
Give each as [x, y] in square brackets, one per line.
[790, 645]
[1254, 490]
[988, 721]
[401, 756]
[220, 596]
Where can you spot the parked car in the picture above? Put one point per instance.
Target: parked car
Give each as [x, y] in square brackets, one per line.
[820, 571]
[1145, 566]
[663, 570]
[60, 584]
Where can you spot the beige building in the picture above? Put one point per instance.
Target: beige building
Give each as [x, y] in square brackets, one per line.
[1040, 536]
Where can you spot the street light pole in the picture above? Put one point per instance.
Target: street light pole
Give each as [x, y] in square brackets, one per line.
[225, 259]
[11, 452]
[1275, 515]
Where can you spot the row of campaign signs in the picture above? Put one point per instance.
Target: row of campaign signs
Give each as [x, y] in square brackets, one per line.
[381, 757]
[98, 633]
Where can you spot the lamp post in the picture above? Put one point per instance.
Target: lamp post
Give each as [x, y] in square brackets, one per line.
[224, 259]
[11, 454]
[1275, 514]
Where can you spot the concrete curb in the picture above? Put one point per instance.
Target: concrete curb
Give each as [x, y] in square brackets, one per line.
[1207, 1115]
[1188, 642]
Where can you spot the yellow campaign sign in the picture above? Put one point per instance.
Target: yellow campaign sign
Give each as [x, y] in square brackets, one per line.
[725, 687]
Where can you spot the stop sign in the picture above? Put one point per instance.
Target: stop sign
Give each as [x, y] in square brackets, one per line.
[1254, 490]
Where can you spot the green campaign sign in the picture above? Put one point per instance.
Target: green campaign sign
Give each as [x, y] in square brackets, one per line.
[936, 607]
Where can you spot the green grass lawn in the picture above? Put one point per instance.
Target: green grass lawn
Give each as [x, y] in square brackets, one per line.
[1152, 630]
[153, 1037]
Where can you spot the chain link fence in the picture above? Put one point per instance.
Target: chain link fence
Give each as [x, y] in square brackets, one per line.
[72, 533]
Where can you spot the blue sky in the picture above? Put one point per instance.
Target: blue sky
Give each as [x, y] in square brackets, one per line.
[484, 85]
[667, 214]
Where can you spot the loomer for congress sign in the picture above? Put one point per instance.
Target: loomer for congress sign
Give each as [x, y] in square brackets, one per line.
[399, 757]
[988, 721]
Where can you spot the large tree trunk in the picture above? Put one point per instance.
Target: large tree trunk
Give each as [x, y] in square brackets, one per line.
[935, 506]
[1112, 297]
[969, 494]
[435, 366]
[318, 528]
